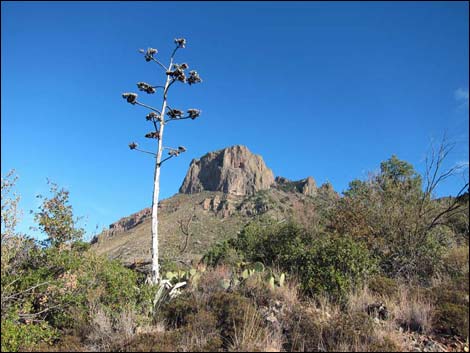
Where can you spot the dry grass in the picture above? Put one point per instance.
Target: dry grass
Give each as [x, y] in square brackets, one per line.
[412, 311]
[104, 332]
[360, 299]
[211, 281]
[251, 335]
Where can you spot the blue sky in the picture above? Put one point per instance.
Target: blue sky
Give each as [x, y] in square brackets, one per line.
[323, 89]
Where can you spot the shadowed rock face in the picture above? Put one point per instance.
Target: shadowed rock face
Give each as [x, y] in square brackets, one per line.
[233, 170]
[305, 186]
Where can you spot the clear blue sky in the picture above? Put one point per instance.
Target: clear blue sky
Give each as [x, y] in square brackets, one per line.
[322, 89]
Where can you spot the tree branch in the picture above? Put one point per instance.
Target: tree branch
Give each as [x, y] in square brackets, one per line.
[455, 205]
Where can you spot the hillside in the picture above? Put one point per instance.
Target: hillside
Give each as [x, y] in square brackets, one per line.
[222, 191]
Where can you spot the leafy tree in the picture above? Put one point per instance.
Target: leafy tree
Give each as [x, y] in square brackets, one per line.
[399, 218]
[55, 218]
[159, 118]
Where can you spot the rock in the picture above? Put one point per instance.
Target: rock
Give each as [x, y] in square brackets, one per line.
[232, 170]
[206, 204]
[220, 206]
[378, 310]
[129, 222]
[305, 186]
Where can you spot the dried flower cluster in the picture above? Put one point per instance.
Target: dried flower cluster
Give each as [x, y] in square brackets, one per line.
[176, 152]
[153, 135]
[149, 53]
[193, 78]
[193, 113]
[152, 116]
[178, 72]
[180, 42]
[145, 87]
[130, 97]
[133, 145]
[175, 113]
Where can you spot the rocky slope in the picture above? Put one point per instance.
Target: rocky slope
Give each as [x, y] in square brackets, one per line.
[222, 191]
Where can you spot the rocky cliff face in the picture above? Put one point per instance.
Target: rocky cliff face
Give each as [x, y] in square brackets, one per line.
[233, 170]
[305, 186]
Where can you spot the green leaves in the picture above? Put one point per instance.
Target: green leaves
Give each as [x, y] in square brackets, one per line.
[55, 218]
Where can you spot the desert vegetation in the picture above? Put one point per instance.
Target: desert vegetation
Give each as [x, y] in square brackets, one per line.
[385, 267]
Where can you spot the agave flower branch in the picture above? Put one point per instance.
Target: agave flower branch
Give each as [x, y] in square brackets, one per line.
[192, 114]
[133, 146]
[149, 56]
[173, 152]
[174, 73]
[180, 43]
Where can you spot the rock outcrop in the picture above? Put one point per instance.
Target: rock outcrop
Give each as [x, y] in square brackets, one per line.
[232, 170]
[305, 186]
[129, 222]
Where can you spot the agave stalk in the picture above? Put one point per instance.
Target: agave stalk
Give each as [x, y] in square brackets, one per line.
[157, 117]
[155, 276]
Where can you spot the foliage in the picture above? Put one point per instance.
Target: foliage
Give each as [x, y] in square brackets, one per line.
[9, 209]
[21, 337]
[452, 311]
[15, 246]
[452, 319]
[403, 226]
[383, 286]
[323, 263]
[222, 252]
[55, 218]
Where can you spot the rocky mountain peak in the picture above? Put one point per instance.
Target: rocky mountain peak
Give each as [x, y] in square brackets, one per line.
[233, 170]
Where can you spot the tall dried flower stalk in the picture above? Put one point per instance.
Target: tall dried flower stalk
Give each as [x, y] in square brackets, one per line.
[159, 118]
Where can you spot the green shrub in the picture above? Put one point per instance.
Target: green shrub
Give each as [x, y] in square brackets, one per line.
[452, 319]
[17, 337]
[222, 253]
[452, 311]
[334, 266]
[66, 343]
[382, 285]
[322, 262]
[402, 225]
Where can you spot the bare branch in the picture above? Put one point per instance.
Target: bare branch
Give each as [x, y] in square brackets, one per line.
[14, 295]
[185, 228]
[165, 159]
[31, 316]
[148, 107]
[453, 206]
[153, 154]
[159, 63]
